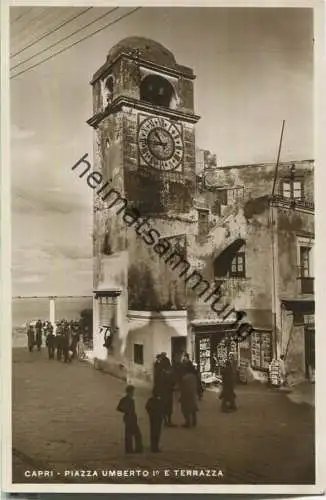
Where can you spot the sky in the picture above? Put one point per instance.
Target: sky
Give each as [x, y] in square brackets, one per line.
[254, 68]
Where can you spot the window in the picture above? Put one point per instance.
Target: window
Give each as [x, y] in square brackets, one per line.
[287, 189]
[139, 354]
[261, 350]
[292, 189]
[297, 190]
[238, 267]
[222, 196]
[203, 222]
[304, 262]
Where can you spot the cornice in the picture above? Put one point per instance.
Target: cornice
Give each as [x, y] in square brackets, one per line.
[178, 71]
[130, 102]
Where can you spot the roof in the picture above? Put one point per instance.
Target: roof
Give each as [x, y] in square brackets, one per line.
[148, 52]
[144, 48]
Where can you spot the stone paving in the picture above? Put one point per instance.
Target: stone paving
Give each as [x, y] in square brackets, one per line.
[65, 418]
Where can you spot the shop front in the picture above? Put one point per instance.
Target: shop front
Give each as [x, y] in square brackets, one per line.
[300, 340]
[212, 343]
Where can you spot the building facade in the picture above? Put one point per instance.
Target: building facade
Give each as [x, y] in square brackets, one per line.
[172, 230]
[264, 261]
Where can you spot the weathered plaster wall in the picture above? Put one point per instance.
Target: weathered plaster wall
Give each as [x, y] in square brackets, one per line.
[290, 225]
[153, 284]
[249, 219]
[154, 331]
[295, 360]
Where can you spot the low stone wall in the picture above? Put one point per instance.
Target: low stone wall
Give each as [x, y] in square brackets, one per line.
[111, 366]
[130, 374]
[139, 376]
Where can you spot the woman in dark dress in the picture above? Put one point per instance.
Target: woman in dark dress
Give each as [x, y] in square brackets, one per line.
[228, 395]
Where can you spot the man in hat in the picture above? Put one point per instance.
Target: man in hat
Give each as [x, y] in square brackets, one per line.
[126, 406]
[154, 408]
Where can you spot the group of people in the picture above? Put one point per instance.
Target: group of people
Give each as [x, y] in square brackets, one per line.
[182, 377]
[65, 342]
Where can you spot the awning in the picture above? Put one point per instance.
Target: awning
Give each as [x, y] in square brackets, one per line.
[107, 292]
[304, 306]
[212, 327]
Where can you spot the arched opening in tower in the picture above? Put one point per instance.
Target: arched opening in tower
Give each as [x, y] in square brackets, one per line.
[157, 90]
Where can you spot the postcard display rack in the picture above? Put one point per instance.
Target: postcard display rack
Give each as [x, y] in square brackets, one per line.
[261, 350]
[205, 354]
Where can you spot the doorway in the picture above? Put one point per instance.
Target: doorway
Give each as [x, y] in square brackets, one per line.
[309, 337]
[178, 348]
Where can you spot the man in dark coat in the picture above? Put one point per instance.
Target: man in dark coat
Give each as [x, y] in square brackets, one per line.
[59, 340]
[50, 340]
[65, 341]
[132, 432]
[227, 394]
[154, 408]
[38, 328]
[165, 391]
[186, 364]
[157, 370]
[188, 396]
[30, 338]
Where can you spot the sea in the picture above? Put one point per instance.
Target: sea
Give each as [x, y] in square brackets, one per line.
[27, 309]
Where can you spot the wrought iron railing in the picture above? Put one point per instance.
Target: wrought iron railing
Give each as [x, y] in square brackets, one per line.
[306, 282]
[302, 203]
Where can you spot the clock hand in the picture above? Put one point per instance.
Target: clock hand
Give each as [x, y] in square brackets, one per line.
[157, 135]
[156, 143]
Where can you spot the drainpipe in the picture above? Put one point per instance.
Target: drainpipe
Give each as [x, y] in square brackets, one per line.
[275, 272]
[274, 241]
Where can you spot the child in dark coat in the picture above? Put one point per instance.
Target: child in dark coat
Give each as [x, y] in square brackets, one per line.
[155, 410]
[132, 432]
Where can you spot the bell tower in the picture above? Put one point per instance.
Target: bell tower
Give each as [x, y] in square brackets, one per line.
[144, 107]
[144, 121]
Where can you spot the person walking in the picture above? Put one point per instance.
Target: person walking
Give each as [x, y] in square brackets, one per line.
[165, 390]
[38, 328]
[186, 364]
[154, 408]
[157, 370]
[73, 345]
[227, 395]
[188, 396]
[50, 340]
[59, 340]
[65, 341]
[80, 348]
[126, 406]
[200, 387]
[30, 337]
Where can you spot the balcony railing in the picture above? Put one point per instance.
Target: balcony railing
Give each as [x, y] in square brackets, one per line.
[306, 282]
[302, 203]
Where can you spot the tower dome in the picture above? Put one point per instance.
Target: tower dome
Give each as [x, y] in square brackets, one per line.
[143, 48]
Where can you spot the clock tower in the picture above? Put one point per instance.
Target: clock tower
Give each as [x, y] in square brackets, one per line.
[144, 121]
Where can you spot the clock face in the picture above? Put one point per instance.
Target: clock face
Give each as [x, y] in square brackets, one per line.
[160, 143]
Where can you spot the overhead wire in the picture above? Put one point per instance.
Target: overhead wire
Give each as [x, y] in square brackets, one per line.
[19, 17]
[51, 32]
[34, 18]
[76, 43]
[65, 38]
